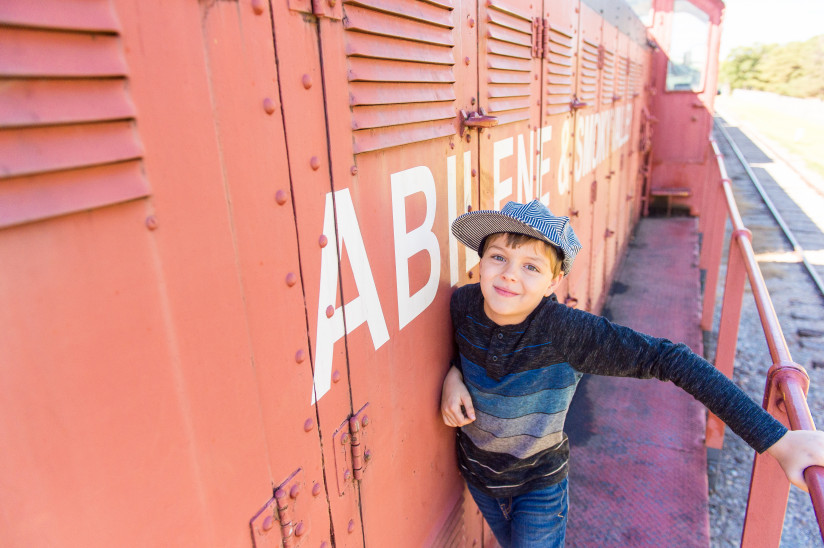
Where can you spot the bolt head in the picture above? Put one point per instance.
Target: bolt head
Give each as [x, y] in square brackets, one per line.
[268, 105]
[291, 279]
[257, 7]
[353, 170]
[365, 421]
[351, 527]
[308, 425]
[323, 240]
[314, 163]
[151, 222]
[294, 491]
[330, 311]
[347, 475]
[268, 523]
[300, 530]
[300, 356]
[316, 489]
[306, 80]
[467, 60]
[336, 376]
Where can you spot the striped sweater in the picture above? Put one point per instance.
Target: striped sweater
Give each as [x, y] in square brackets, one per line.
[522, 378]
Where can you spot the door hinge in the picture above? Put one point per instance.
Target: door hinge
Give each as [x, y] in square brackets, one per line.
[540, 37]
[282, 511]
[351, 446]
[331, 9]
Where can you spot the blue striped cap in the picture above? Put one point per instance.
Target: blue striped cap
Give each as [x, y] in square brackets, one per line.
[532, 219]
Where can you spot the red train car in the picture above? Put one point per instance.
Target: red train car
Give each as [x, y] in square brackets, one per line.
[226, 251]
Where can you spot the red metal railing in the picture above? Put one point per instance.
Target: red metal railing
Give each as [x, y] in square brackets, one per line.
[785, 393]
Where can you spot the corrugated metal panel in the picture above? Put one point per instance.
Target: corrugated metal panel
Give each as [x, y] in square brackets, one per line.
[622, 78]
[636, 74]
[509, 62]
[559, 71]
[608, 77]
[588, 89]
[401, 77]
[67, 136]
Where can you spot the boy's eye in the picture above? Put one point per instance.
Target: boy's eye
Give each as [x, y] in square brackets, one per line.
[497, 258]
[532, 268]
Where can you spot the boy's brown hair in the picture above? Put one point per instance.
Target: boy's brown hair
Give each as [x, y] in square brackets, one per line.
[517, 240]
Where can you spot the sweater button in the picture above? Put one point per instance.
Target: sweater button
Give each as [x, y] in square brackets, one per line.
[500, 335]
[494, 358]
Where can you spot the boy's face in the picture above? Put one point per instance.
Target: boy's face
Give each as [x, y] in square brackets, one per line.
[515, 279]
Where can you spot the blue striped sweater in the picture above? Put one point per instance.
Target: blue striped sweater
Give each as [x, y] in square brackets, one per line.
[522, 378]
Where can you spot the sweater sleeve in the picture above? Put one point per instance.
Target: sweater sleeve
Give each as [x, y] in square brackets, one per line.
[594, 345]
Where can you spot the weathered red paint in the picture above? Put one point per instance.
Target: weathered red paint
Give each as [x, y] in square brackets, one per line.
[227, 240]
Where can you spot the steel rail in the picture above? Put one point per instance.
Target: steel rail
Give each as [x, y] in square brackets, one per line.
[776, 215]
[785, 393]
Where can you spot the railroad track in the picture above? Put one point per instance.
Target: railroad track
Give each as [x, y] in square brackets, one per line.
[803, 234]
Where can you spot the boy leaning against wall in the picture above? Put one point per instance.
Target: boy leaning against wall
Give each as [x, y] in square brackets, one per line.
[520, 355]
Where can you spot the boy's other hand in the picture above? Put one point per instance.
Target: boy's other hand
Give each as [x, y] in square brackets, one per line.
[456, 403]
[798, 450]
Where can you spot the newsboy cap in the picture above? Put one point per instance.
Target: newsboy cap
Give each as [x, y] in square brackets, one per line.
[533, 219]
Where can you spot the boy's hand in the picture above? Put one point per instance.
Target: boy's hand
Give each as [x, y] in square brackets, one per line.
[798, 450]
[456, 404]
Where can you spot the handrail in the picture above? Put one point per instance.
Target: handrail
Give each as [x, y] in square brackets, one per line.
[787, 382]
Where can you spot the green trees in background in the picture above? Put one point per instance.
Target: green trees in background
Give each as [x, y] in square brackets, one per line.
[795, 69]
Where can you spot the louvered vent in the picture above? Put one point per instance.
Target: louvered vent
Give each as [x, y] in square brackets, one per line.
[588, 83]
[621, 78]
[559, 71]
[68, 140]
[401, 78]
[608, 77]
[509, 62]
[635, 76]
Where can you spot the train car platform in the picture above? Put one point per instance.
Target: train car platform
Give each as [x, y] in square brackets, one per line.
[638, 471]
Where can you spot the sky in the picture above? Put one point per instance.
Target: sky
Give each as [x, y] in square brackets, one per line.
[748, 22]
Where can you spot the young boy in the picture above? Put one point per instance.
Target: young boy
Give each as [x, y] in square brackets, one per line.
[520, 357]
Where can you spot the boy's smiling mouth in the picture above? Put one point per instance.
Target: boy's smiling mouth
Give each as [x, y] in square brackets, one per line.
[504, 292]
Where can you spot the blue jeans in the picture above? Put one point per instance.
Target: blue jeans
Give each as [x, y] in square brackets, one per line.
[533, 520]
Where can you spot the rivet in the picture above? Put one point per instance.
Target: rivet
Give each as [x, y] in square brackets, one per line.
[529, 126]
[471, 22]
[257, 6]
[474, 173]
[451, 144]
[351, 527]
[323, 240]
[538, 102]
[294, 491]
[367, 455]
[300, 529]
[268, 106]
[268, 523]
[536, 76]
[347, 475]
[332, 3]
[344, 439]
[469, 207]
[280, 197]
[468, 137]
[307, 81]
[324, 544]
[308, 425]
[336, 376]
[470, 274]
[316, 490]
[466, 60]
[365, 421]
[300, 355]
[330, 311]
[151, 222]
[314, 162]
[291, 279]
[473, 101]
[353, 170]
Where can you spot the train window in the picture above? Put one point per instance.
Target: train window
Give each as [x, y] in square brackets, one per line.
[688, 49]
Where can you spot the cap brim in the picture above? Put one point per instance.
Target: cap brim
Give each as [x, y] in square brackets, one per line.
[471, 228]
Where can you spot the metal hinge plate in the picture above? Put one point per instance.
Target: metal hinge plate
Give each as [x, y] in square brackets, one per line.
[352, 453]
[540, 35]
[277, 525]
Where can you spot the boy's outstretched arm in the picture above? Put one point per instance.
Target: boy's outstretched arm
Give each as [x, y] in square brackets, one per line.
[456, 404]
[797, 450]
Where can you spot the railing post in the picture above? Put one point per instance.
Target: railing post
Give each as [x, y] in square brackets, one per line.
[712, 246]
[769, 487]
[728, 330]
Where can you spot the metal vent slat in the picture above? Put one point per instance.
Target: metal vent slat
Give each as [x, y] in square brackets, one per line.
[621, 78]
[383, 24]
[401, 72]
[67, 124]
[608, 78]
[559, 72]
[589, 72]
[77, 15]
[509, 62]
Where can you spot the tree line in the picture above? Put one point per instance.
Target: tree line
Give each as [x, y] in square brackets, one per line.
[795, 69]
